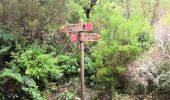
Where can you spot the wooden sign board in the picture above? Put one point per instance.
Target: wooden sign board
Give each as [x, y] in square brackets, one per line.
[73, 28]
[90, 37]
[77, 27]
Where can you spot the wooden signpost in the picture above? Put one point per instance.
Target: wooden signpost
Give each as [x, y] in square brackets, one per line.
[82, 37]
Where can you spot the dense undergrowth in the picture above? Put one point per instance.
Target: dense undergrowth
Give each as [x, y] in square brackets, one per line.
[38, 62]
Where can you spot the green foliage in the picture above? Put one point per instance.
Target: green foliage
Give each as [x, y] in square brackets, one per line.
[122, 42]
[103, 79]
[164, 77]
[28, 84]
[5, 50]
[166, 19]
[21, 18]
[168, 48]
[77, 10]
[10, 73]
[5, 34]
[124, 26]
[145, 39]
[31, 63]
[6, 43]
[36, 94]
[66, 95]
[89, 68]
[6, 39]
[68, 63]
[36, 63]
[120, 69]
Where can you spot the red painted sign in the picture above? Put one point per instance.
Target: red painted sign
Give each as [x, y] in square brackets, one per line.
[88, 26]
[73, 37]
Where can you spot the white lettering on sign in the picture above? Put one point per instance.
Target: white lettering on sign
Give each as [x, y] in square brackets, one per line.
[90, 37]
[73, 28]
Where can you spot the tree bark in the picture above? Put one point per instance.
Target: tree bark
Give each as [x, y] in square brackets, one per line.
[88, 10]
[155, 16]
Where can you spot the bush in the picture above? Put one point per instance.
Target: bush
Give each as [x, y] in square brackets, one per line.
[6, 44]
[123, 40]
[34, 62]
[164, 78]
[30, 67]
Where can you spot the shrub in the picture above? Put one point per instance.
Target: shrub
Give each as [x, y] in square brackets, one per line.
[34, 62]
[164, 78]
[30, 67]
[123, 40]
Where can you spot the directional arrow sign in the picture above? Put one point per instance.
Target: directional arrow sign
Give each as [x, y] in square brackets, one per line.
[90, 37]
[77, 27]
[73, 28]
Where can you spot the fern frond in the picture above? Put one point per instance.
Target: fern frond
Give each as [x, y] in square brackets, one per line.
[10, 73]
[4, 50]
[29, 82]
[6, 36]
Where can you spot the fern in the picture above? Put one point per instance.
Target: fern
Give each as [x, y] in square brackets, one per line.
[10, 73]
[31, 88]
[28, 84]
[6, 37]
[35, 93]
[6, 40]
[5, 34]
[4, 50]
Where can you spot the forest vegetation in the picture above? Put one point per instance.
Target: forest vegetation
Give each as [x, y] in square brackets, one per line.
[131, 61]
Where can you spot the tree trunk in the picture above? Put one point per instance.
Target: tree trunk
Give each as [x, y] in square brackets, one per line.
[155, 16]
[88, 10]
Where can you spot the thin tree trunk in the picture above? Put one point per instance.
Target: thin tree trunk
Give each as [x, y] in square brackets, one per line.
[155, 16]
[88, 10]
[128, 9]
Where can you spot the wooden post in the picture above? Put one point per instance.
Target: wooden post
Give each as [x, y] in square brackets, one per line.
[82, 65]
[80, 28]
